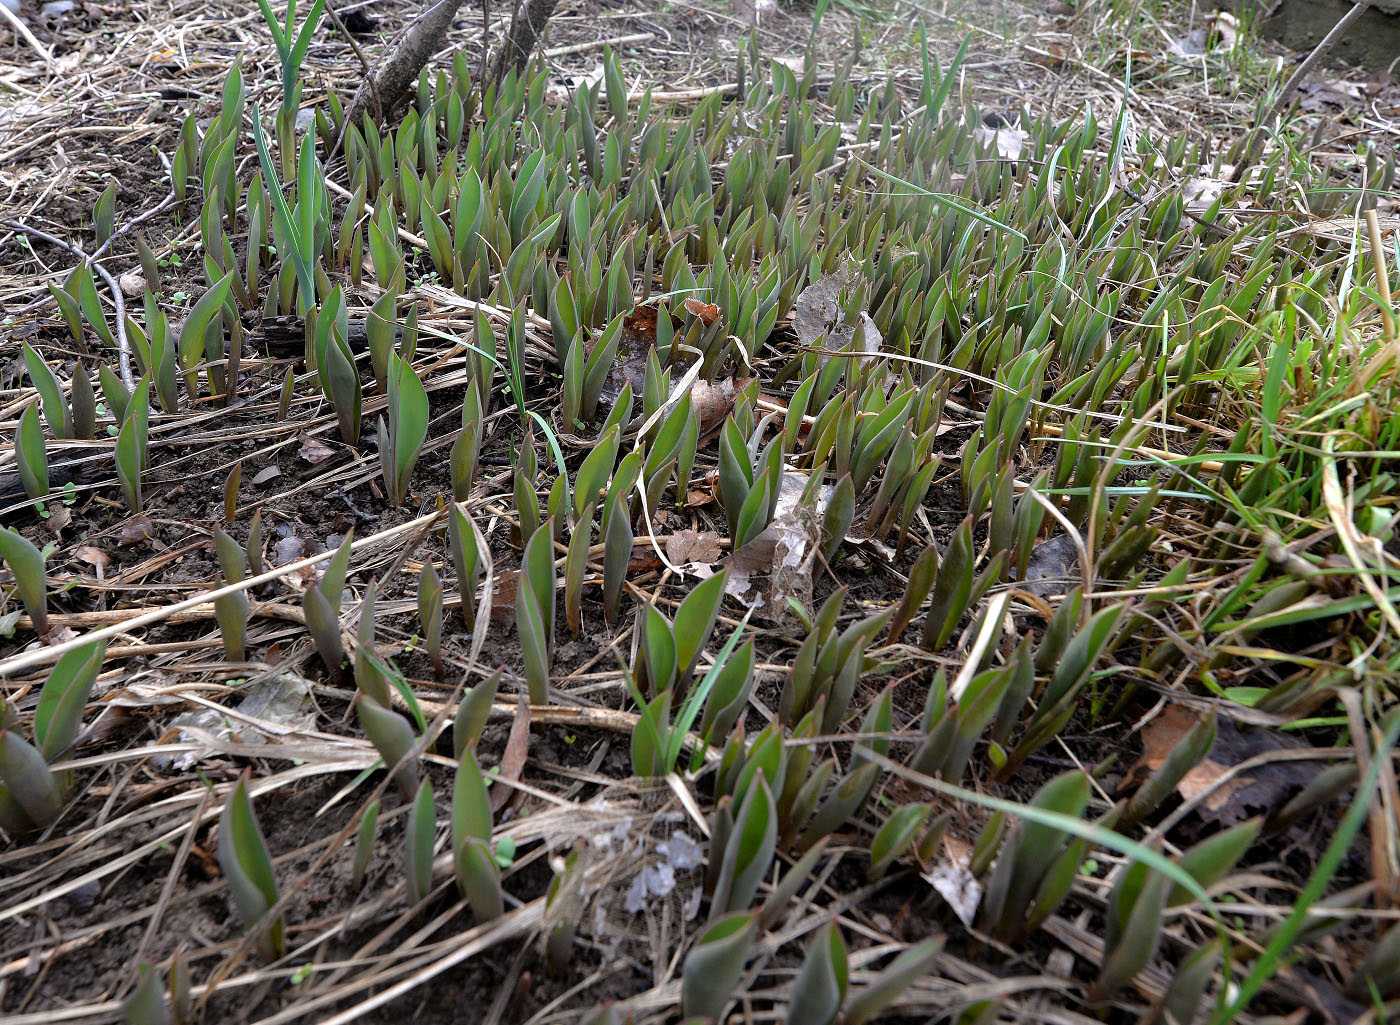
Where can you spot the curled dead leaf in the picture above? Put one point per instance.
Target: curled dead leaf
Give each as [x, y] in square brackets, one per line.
[313, 450]
[513, 758]
[696, 497]
[954, 882]
[713, 402]
[630, 365]
[777, 565]
[1261, 788]
[687, 545]
[818, 313]
[94, 557]
[136, 530]
[708, 312]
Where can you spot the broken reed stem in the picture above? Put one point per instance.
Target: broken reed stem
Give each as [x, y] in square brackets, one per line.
[598, 44]
[1373, 231]
[1285, 96]
[1390, 350]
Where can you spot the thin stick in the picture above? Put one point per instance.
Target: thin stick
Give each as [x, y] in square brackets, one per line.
[597, 44]
[1373, 233]
[23, 31]
[123, 348]
[1311, 61]
[364, 61]
[1285, 96]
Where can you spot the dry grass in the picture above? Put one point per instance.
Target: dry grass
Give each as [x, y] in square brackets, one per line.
[129, 871]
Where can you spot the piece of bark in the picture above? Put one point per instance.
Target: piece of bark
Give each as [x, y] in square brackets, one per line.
[525, 30]
[398, 75]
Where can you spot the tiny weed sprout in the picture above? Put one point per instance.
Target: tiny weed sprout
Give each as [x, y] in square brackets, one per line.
[247, 868]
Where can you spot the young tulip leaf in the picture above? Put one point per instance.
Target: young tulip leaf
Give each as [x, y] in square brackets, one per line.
[430, 615]
[471, 806]
[393, 738]
[695, 621]
[902, 973]
[479, 878]
[1211, 859]
[27, 566]
[714, 964]
[148, 1004]
[418, 835]
[749, 851]
[820, 988]
[534, 610]
[472, 714]
[28, 779]
[364, 844]
[31, 455]
[50, 391]
[247, 866]
[896, 836]
[59, 714]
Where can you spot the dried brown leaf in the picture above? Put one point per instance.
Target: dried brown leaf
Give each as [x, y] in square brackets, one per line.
[513, 759]
[313, 450]
[693, 546]
[507, 581]
[94, 557]
[708, 312]
[136, 530]
[1260, 789]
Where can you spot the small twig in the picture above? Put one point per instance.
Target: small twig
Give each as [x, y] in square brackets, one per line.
[485, 40]
[123, 348]
[598, 44]
[364, 61]
[1324, 46]
[399, 71]
[1285, 96]
[22, 30]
